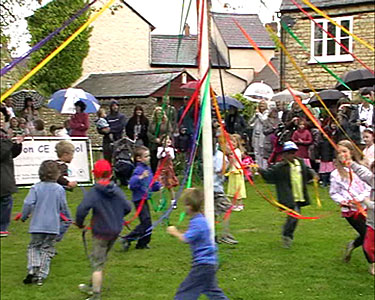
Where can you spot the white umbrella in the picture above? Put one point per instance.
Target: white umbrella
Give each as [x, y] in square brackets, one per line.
[259, 90]
[286, 96]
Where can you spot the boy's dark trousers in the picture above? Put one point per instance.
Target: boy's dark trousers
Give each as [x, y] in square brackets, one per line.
[201, 280]
[140, 230]
[291, 224]
[6, 204]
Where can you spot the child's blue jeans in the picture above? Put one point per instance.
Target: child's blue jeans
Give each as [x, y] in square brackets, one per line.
[201, 280]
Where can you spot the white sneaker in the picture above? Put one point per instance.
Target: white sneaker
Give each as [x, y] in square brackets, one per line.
[236, 208]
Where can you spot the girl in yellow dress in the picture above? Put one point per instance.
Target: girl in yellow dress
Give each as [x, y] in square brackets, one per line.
[236, 181]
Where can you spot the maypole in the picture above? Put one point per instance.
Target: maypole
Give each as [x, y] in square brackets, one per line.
[204, 65]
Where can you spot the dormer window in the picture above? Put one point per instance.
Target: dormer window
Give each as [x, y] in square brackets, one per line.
[323, 45]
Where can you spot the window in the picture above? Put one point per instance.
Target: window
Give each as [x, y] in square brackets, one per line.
[323, 45]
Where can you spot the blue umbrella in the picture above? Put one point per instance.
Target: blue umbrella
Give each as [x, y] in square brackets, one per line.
[64, 100]
[229, 101]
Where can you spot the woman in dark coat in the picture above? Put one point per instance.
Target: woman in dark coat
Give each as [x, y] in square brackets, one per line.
[137, 127]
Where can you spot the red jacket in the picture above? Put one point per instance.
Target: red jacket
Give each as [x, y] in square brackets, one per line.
[303, 139]
[79, 124]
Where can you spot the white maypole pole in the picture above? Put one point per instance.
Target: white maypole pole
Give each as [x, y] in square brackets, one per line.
[207, 123]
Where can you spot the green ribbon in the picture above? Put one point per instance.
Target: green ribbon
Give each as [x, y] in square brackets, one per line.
[287, 29]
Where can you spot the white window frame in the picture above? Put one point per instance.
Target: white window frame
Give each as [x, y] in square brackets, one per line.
[324, 58]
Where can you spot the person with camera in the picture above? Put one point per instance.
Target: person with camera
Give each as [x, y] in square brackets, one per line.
[361, 118]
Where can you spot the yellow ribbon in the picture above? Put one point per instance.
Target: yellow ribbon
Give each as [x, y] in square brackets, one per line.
[292, 60]
[316, 189]
[55, 52]
[338, 25]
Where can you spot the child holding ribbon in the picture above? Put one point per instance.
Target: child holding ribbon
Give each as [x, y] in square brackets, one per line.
[367, 175]
[236, 181]
[350, 192]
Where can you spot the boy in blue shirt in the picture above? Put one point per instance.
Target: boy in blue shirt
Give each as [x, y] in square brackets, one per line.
[109, 207]
[46, 200]
[202, 276]
[139, 185]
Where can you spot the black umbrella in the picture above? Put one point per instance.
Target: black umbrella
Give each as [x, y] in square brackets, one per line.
[18, 99]
[356, 79]
[329, 97]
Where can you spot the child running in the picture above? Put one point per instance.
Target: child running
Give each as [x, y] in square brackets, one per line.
[236, 181]
[290, 177]
[367, 175]
[46, 200]
[202, 276]
[139, 185]
[168, 177]
[221, 201]
[350, 192]
[109, 207]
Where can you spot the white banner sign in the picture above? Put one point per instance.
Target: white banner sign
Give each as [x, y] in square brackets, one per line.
[34, 152]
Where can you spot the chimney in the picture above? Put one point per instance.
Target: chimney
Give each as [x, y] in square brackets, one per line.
[187, 29]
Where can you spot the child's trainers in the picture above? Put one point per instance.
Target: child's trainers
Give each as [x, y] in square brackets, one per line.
[227, 240]
[95, 296]
[174, 204]
[85, 288]
[125, 244]
[39, 281]
[30, 278]
[4, 233]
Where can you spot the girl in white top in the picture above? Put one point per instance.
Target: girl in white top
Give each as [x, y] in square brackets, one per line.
[350, 192]
[369, 151]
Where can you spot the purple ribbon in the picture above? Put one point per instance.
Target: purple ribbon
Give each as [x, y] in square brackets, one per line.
[37, 46]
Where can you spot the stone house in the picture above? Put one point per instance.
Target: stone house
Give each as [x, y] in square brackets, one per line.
[124, 42]
[357, 16]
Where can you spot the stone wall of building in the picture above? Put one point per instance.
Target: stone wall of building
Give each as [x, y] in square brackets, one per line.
[363, 27]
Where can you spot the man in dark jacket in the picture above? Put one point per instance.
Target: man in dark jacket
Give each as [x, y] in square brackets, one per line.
[9, 150]
[117, 123]
[109, 207]
[290, 177]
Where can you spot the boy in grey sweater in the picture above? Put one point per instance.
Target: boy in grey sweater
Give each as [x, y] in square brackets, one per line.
[45, 201]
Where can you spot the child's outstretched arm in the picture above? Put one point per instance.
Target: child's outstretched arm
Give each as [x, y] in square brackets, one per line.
[172, 230]
[28, 204]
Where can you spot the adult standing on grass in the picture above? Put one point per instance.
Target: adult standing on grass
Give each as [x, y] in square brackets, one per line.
[202, 276]
[109, 207]
[9, 149]
[290, 177]
[350, 192]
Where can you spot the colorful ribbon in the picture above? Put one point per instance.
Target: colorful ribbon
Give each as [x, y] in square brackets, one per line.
[55, 52]
[363, 42]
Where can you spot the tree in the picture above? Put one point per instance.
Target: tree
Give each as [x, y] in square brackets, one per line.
[66, 67]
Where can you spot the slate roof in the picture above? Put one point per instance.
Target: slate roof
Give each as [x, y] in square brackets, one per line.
[232, 35]
[287, 5]
[268, 76]
[128, 84]
[164, 51]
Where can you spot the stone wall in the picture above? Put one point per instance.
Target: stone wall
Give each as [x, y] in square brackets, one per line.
[363, 27]
[52, 117]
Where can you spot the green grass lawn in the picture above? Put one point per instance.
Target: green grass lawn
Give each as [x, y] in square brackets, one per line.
[257, 268]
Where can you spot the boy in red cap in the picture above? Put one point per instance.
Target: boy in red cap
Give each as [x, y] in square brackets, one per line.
[109, 207]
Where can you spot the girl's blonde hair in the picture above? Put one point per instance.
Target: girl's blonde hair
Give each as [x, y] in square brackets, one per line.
[101, 112]
[237, 139]
[155, 114]
[355, 156]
